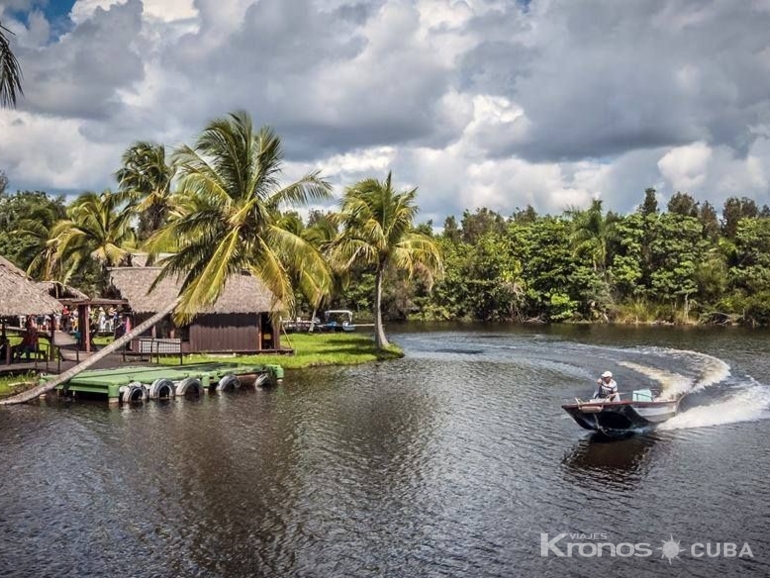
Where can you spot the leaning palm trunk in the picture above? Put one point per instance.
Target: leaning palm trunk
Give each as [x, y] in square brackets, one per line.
[39, 390]
[380, 340]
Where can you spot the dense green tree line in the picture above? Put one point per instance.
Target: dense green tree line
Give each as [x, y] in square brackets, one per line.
[684, 263]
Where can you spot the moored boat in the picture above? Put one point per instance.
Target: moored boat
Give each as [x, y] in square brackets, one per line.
[642, 410]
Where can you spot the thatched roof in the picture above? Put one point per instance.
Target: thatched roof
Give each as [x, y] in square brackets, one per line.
[242, 294]
[11, 267]
[54, 288]
[140, 259]
[19, 296]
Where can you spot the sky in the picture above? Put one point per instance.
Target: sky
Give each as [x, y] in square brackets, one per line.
[478, 103]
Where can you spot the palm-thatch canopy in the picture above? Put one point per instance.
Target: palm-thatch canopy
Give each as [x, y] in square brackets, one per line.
[11, 267]
[61, 291]
[20, 296]
[242, 294]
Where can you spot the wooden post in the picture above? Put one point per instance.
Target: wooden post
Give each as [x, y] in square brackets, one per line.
[7, 346]
[276, 334]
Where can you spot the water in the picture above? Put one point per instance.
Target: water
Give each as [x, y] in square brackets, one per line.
[451, 462]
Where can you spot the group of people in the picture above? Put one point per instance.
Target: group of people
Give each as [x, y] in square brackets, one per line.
[101, 321]
[106, 319]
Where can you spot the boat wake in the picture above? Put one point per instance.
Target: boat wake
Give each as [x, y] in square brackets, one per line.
[746, 401]
[750, 403]
[709, 370]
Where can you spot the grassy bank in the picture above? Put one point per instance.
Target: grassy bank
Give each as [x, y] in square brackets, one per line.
[311, 350]
[12, 384]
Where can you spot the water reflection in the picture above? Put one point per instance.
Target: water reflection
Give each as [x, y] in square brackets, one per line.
[450, 462]
[621, 462]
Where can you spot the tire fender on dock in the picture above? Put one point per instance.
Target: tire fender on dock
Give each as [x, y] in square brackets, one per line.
[162, 388]
[190, 385]
[133, 392]
[229, 381]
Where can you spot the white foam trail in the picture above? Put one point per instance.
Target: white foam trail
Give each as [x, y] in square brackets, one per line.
[750, 404]
[712, 370]
[671, 384]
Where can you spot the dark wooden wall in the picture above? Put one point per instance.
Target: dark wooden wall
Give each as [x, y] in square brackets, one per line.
[224, 332]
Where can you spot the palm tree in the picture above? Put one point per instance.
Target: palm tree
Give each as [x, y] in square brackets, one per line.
[378, 231]
[591, 233]
[226, 217]
[41, 253]
[97, 228]
[10, 71]
[145, 181]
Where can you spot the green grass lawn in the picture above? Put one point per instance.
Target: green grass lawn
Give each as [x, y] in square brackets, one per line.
[7, 381]
[310, 350]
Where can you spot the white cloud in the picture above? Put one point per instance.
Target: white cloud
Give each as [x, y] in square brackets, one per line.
[685, 167]
[479, 102]
[163, 10]
[54, 153]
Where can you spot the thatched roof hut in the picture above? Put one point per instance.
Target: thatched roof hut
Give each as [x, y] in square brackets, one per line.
[61, 291]
[242, 294]
[19, 296]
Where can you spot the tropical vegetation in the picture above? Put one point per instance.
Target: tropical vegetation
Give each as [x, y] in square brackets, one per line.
[218, 208]
[377, 231]
[226, 217]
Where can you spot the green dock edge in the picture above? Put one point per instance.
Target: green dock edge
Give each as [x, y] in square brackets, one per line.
[109, 381]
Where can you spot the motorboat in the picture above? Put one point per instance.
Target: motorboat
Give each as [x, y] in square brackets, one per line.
[335, 320]
[338, 320]
[641, 409]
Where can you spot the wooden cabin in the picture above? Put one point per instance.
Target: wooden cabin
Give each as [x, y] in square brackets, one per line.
[239, 322]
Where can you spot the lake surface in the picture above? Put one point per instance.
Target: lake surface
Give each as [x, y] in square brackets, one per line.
[454, 461]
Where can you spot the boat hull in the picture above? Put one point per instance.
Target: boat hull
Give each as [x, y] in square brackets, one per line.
[622, 417]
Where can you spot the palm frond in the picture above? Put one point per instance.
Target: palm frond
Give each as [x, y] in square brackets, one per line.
[10, 72]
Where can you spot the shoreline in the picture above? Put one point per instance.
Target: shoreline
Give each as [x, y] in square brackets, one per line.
[310, 350]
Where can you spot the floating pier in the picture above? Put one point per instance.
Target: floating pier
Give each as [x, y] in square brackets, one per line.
[134, 384]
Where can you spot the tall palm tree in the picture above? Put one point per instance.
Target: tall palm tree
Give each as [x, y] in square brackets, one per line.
[378, 231]
[145, 181]
[591, 233]
[97, 228]
[10, 71]
[226, 217]
[41, 253]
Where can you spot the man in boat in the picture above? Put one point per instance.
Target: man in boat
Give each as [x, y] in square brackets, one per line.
[607, 389]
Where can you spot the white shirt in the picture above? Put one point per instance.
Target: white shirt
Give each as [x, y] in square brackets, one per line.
[608, 389]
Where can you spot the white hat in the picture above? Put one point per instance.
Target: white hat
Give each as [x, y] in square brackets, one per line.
[607, 374]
